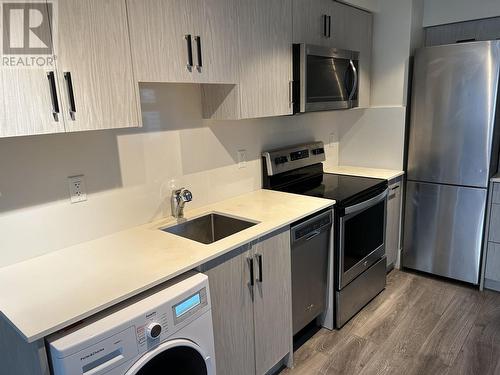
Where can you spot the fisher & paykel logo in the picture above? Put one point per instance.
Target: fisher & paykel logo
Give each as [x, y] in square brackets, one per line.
[28, 33]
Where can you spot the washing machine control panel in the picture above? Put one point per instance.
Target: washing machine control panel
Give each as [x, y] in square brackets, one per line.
[169, 317]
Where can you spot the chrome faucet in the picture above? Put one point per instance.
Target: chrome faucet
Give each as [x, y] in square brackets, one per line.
[178, 200]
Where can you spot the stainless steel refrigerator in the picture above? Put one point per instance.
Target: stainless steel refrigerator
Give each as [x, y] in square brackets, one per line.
[452, 153]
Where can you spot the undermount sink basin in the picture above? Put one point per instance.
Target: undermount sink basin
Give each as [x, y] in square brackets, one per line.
[209, 228]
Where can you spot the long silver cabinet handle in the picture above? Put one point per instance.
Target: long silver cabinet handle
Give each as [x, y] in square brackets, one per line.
[198, 48]
[189, 44]
[252, 274]
[53, 95]
[71, 95]
[260, 279]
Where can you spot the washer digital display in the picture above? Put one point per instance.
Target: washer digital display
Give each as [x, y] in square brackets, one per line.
[187, 305]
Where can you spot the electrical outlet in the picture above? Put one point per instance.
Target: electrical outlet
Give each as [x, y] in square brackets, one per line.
[77, 190]
[242, 158]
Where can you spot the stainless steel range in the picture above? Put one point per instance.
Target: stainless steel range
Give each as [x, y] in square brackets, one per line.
[357, 253]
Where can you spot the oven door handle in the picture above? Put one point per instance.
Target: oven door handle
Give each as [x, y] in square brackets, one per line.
[366, 204]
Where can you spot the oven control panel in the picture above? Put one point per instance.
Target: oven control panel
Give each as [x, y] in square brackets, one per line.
[287, 159]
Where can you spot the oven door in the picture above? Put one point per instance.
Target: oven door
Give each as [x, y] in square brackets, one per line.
[361, 237]
[328, 78]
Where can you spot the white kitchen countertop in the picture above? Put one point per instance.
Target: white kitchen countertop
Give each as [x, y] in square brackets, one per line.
[43, 295]
[385, 174]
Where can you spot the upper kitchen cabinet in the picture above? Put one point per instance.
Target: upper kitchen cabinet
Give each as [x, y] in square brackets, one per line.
[94, 65]
[265, 58]
[184, 40]
[90, 85]
[312, 22]
[264, 64]
[27, 95]
[352, 30]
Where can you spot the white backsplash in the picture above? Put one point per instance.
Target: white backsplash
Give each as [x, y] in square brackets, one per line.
[128, 172]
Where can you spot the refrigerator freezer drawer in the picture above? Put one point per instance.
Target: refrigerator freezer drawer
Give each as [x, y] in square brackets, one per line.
[444, 230]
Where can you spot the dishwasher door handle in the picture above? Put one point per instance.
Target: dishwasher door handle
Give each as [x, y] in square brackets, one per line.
[313, 234]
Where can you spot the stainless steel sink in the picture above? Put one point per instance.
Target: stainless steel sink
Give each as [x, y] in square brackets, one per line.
[209, 228]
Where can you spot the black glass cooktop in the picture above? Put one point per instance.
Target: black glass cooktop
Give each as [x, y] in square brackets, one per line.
[343, 189]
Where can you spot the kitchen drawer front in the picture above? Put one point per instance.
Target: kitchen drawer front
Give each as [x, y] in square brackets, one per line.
[495, 195]
[494, 230]
[493, 262]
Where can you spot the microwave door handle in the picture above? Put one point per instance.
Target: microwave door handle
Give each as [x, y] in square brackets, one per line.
[355, 82]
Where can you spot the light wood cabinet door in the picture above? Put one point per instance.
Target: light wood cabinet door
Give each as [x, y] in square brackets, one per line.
[265, 39]
[352, 30]
[217, 29]
[232, 312]
[184, 41]
[94, 65]
[393, 228]
[273, 300]
[312, 22]
[158, 31]
[26, 106]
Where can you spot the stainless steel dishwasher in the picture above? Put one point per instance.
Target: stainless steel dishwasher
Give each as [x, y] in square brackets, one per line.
[310, 249]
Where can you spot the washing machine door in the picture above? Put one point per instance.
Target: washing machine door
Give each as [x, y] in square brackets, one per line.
[174, 357]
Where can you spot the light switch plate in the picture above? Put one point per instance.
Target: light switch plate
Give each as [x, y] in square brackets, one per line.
[77, 189]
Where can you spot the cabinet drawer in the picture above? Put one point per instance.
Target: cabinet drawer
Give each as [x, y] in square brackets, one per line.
[494, 230]
[493, 262]
[495, 197]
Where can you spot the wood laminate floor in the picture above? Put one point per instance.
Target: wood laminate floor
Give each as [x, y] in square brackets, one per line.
[417, 326]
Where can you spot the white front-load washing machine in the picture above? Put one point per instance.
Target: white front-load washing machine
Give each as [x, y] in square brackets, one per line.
[166, 331]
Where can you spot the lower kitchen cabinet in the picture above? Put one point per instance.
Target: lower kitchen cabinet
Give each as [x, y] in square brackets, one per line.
[273, 301]
[17, 356]
[251, 305]
[229, 279]
[491, 248]
[393, 228]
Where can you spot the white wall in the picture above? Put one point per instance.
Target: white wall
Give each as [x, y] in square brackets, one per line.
[440, 12]
[375, 139]
[128, 171]
[397, 32]
[391, 40]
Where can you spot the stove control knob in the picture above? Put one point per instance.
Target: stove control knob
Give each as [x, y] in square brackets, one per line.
[154, 331]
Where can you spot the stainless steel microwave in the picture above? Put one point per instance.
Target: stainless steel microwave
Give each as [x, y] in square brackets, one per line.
[324, 78]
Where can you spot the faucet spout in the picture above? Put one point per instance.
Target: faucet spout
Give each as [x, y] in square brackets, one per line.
[178, 200]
